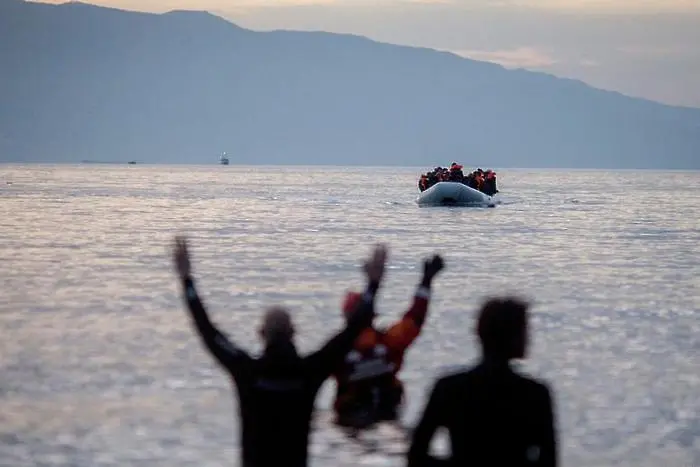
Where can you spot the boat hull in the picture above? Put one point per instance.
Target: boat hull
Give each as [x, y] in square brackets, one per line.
[453, 194]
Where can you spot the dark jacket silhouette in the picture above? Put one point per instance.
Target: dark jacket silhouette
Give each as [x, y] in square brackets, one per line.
[494, 416]
[276, 392]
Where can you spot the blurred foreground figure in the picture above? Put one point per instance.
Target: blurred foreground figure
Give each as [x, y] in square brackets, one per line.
[368, 389]
[494, 416]
[277, 391]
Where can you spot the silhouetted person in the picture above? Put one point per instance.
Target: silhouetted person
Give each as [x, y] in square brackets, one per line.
[368, 388]
[494, 416]
[277, 391]
[489, 186]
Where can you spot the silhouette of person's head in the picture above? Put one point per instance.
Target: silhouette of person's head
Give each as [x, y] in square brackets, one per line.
[502, 328]
[277, 327]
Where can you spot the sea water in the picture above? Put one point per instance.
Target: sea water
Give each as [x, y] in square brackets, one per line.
[99, 365]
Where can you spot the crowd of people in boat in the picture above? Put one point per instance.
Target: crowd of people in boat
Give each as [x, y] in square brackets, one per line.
[494, 414]
[484, 181]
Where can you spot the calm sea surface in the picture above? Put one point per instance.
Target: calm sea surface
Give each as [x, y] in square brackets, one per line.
[99, 365]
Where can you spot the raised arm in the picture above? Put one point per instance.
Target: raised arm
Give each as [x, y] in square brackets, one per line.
[326, 360]
[227, 354]
[402, 334]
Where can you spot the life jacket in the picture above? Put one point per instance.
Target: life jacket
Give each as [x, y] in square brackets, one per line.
[366, 379]
[370, 363]
[368, 374]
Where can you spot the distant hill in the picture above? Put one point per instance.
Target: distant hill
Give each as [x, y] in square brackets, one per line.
[80, 82]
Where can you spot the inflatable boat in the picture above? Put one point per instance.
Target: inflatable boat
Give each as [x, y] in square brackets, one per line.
[453, 194]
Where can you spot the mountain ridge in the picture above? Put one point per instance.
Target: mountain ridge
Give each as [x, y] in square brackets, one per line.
[88, 82]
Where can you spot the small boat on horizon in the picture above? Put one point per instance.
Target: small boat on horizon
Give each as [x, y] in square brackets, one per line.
[450, 187]
[223, 160]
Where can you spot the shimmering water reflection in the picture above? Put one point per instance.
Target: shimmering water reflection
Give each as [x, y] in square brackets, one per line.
[99, 365]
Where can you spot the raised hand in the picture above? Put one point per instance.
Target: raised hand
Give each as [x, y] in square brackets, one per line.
[374, 266]
[181, 258]
[432, 266]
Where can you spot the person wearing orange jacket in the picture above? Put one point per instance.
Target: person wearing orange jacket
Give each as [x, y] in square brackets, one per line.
[368, 389]
[423, 183]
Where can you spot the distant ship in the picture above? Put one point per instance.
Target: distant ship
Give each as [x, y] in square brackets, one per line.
[223, 160]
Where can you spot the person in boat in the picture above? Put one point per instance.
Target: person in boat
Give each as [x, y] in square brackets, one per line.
[480, 179]
[445, 174]
[489, 184]
[468, 179]
[456, 174]
[472, 180]
[276, 392]
[433, 177]
[494, 415]
[423, 182]
[368, 390]
[476, 180]
[439, 174]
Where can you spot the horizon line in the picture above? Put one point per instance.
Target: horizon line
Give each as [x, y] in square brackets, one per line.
[359, 166]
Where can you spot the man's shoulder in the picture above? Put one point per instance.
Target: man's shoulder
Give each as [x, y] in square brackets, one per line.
[225, 343]
[451, 374]
[454, 374]
[533, 384]
[526, 377]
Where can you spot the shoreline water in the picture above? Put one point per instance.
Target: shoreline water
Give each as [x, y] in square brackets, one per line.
[101, 366]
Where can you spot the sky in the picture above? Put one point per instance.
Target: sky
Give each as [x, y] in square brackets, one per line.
[641, 48]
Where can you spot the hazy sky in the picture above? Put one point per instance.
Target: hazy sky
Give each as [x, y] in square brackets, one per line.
[647, 48]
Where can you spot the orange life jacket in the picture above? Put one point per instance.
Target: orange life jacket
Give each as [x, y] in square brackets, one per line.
[378, 356]
[423, 182]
